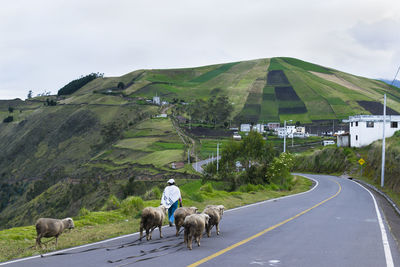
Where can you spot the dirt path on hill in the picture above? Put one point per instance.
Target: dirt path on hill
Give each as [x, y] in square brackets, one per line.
[338, 80]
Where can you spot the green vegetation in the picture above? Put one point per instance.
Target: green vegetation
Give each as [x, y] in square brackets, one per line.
[124, 218]
[75, 85]
[305, 65]
[214, 73]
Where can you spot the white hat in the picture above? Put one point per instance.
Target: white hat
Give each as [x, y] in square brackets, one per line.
[171, 181]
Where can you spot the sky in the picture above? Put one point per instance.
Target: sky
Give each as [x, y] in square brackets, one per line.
[46, 44]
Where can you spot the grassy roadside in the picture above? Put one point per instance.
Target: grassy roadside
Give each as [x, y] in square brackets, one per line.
[19, 242]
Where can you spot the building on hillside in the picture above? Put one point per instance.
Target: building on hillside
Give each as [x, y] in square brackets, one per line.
[273, 125]
[343, 140]
[301, 130]
[245, 127]
[365, 129]
[289, 131]
[156, 100]
[259, 128]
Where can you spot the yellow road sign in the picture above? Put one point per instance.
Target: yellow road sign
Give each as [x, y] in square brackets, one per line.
[361, 161]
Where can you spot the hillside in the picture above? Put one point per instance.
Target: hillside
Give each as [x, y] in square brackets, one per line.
[261, 90]
[103, 139]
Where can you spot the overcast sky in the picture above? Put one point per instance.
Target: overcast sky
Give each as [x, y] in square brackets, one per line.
[46, 44]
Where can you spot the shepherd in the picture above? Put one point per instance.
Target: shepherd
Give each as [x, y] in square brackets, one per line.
[170, 198]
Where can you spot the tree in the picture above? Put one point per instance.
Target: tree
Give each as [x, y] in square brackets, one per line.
[8, 119]
[10, 109]
[121, 85]
[77, 84]
[30, 94]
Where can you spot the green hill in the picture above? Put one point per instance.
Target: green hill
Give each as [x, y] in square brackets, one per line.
[104, 138]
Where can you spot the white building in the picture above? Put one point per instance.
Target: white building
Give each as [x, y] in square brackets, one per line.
[245, 127]
[289, 131]
[365, 129]
[156, 100]
[259, 128]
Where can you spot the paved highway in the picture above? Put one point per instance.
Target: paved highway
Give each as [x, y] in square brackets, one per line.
[337, 223]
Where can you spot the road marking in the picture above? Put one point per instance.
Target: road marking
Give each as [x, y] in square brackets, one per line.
[385, 241]
[197, 263]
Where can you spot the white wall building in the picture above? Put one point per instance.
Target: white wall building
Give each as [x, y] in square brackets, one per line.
[245, 127]
[156, 100]
[259, 128]
[290, 130]
[365, 129]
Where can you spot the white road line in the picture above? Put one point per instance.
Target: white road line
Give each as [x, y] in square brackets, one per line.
[385, 242]
[129, 235]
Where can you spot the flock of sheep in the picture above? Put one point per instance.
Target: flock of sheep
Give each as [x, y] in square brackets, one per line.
[194, 223]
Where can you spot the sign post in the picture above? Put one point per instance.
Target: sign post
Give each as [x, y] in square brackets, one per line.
[361, 162]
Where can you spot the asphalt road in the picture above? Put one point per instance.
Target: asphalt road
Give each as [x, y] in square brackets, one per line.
[334, 224]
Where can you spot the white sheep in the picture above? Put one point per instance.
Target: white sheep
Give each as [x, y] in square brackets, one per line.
[180, 214]
[151, 218]
[194, 227]
[215, 212]
[47, 227]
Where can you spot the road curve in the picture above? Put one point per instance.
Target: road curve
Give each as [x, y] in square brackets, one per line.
[334, 224]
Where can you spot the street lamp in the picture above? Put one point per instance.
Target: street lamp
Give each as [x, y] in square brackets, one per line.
[284, 136]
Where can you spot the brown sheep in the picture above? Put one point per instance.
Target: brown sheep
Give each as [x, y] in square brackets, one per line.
[194, 227]
[152, 218]
[47, 227]
[180, 215]
[215, 212]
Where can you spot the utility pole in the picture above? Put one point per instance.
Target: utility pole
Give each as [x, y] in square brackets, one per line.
[284, 137]
[383, 143]
[217, 155]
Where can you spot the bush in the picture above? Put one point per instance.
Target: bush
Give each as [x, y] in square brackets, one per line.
[131, 204]
[112, 203]
[207, 188]
[197, 197]
[121, 85]
[8, 119]
[248, 188]
[83, 212]
[154, 193]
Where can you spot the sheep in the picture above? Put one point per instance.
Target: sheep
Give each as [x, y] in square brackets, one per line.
[47, 227]
[151, 218]
[215, 212]
[194, 226]
[180, 215]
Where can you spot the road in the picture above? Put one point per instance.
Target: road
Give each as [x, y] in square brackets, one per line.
[198, 166]
[334, 224]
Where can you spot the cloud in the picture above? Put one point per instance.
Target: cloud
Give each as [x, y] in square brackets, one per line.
[46, 44]
[379, 35]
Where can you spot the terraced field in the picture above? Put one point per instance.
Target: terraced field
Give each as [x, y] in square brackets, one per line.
[260, 90]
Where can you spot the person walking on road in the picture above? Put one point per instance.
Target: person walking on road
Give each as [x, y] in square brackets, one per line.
[170, 198]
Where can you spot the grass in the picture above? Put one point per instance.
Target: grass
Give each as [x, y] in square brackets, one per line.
[96, 226]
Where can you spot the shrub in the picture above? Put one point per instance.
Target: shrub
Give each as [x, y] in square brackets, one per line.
[112, 203]
[131, 204]
[154, 193]
[207, 188]
[121, 85]
[8, 119]
[83, 212]
[197, 197]
[248, 188]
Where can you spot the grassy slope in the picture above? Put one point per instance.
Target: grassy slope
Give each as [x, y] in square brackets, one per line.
[323, 99]
[95, 226]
